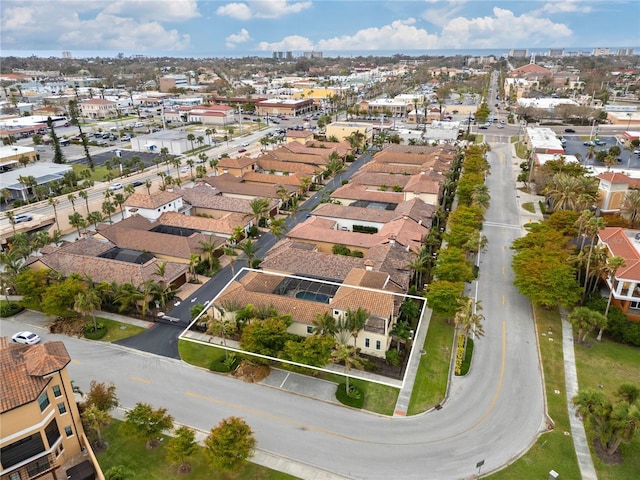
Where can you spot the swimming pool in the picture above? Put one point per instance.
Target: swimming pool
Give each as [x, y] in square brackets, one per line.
[313, 297]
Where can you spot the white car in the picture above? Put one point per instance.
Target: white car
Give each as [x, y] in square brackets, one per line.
[23, 217]
[184, 169]
[115, 186]
[27, 338]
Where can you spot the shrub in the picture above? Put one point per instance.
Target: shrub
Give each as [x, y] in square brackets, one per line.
[97, 334]
[466, 363]
[224, 364]
[459, 354]
[393, 357]
[10, 309]
[354, 398]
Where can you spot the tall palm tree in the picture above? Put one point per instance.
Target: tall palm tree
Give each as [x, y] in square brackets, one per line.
[613, 265]
[259, 207]
[86, 304]
[324, 324]
[356, 320]
[108, 207]
[231, 253]
[83, 194]
[480, 196]
[347, 355]
[631, 206]
[468, 320]
[72, 198]
[208, 247]
[148, 183]
[594, 225]
[76, 220]
[277, 226]
[191, 137]
[250, 250]
[12, 220]
[95, 218]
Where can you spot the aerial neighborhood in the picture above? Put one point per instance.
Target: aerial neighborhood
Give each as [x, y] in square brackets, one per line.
[412, 237]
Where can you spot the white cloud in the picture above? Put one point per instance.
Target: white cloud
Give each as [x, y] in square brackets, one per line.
[503, 28]
[158, 10]
[400, 34]
[262, 9]
[444, 12]
[40, 26]
[293, 42]
[239, 11]
[240, 37]
[567, 6]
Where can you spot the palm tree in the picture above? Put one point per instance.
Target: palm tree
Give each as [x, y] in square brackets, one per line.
[191, 137]
[148, 183]
[594, 225]
[613, 264]
[305, 184]
[324, 324]
[231, 253]
[96, 419]
[208, 133]
[200, 140]
[356, 321]
[250, 250]
[259, 207]
[480, 196]
[83, 194]
[401, 332]
[86, 303]
[631, 206]
[213, 163]
[76, 220]
[193, 262]
[277, 226]
[72, 198]
[108, 208]
[119, 199]
[191, 163]
[95, 218]
[467, 320]
[347, 355]
[208, 247]
[127, 296]
[12, 220]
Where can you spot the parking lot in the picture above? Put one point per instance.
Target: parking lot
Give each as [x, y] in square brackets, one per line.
[575, 145]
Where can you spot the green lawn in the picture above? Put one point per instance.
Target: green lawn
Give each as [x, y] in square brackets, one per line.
[117, 330]
[609, 364]
[529, 207]
[433, 372]
[144, 464]
[553, 450]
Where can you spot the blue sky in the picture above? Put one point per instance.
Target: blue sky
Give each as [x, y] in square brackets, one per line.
[185, 28]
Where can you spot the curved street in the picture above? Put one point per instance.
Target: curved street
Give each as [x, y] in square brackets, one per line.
[492, 415]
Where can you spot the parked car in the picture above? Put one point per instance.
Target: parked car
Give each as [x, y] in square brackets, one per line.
[242, 150]
[569, 130]
[589, 143]
[23, 217]
[26, 338]
[115, 186]
[599, 142]
[137, 183]
[184, 169]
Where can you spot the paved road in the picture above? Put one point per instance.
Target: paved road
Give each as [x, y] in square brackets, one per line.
[492, 415]
[161, 339]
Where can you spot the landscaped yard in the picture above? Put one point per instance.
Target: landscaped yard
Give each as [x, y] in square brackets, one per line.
[117, 330]
[144, 464]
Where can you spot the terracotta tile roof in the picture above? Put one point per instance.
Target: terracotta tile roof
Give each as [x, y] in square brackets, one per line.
[614, 177]
[312, 231]
[347, 212]
[302, 259]
[406, 232]
[286, 155]
[224, 225]
[296, 147]
[380, 178]
[269, 179]
[361, 277]
[392, 259]
[425, 183]
[621, 243]
[204, 196]
[267, 164]
[153, 201]
[376, 167]
[299, 134]
[240, 162]
[301, 311]
[23, 369]
[229, 185]
[341, 148]
[417, 210]
[80, 260]
[350, 191]
[376, 303]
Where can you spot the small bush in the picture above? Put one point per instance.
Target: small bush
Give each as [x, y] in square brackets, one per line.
[459, 354]
[393, 357]
[10, 309]
[224, 365]
[466, 363]
[92, 334]
[354, 398]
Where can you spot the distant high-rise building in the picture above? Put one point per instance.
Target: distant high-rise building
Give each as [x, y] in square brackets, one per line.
[312, 55]
[282, 55]
[555, 52]
[623, 52]
[597, 52]
[66, 55]
[518, 52]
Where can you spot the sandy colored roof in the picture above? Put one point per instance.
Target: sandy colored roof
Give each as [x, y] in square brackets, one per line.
[268, 163]
[299, 133]
[337, 211]
[376, 303]
[153, 201]
[227, 184]
[23, 369]
[298, 259]
[361, 277]
[97, 101]
[285, 154]
[341, 148]
[362, 192]
[379, 178]
[425, 183]
[269, 179]
[313, 231]
[78, 258]
[240, 162]
[204, 196]
[224, 225]
[406, 232]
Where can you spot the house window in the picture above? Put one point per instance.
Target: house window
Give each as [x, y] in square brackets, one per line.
[377, 344]
[61, 408]
[56, 391]
[43, 401]
[14, 476]
[309, 329]
[67, 431]
[366, 342]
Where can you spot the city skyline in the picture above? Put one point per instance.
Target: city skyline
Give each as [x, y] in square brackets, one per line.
[197, 28]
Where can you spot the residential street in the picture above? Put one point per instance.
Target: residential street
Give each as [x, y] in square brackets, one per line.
[491, 415]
